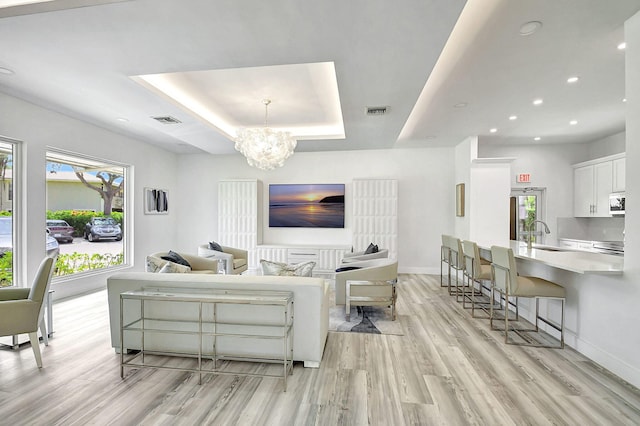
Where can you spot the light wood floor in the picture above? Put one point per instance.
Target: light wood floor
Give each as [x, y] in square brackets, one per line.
[447, 369]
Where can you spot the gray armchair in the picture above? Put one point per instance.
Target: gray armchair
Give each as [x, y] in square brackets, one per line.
[235, 260]
[22, 309]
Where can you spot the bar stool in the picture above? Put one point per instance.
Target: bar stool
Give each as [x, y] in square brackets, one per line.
[476, 271]
[456, 262]
[507, 281]
[444, 258]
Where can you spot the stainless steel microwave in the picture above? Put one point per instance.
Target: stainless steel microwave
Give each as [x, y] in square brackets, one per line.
[616, 203]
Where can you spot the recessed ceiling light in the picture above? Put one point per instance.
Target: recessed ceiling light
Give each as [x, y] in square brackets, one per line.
[537, 101]
[573, 122]
[622, 46]
[530, 27]
[122, 119]
[537, 138]
[624, 100]
[493, 130]
[460, 105]
[513, 117]
[6, 71]
[573, 79]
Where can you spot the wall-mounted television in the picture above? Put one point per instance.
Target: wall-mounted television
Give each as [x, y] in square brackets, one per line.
[306, 205]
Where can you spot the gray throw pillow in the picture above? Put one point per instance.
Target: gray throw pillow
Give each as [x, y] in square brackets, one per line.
[215, 246]
[174, 257]
[371, 249]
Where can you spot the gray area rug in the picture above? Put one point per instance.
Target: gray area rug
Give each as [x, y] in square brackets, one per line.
[364, 319]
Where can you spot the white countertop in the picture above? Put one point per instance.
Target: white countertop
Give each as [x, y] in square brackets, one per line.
[581, 262]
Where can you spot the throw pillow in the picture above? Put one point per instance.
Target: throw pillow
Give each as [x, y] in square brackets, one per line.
[172, 268]
[347, 268]
[371, 249]
[304, 269]
[174, 257]
[154, 264]
[215, 246]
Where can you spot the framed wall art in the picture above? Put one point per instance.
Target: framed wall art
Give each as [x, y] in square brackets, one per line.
[460, 199]
[156, 201]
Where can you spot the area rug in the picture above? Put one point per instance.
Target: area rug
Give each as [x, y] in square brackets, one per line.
[364, 319]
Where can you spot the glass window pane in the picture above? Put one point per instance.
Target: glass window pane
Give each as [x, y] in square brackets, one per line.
[85, 212]
[6, 212]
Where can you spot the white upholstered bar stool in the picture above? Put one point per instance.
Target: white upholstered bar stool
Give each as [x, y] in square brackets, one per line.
[456, 263]
[476, 271]
[507, 281]
[444, 259]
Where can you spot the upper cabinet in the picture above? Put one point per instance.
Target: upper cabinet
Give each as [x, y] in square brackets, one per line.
[618, 175]
[593, 182]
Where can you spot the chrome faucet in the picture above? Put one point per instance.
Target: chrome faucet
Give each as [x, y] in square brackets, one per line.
[546, 231]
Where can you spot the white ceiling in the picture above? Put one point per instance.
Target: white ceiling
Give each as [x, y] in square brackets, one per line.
[80, 62]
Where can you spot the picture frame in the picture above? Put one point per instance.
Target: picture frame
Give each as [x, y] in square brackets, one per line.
[156, 201]
[460, 200]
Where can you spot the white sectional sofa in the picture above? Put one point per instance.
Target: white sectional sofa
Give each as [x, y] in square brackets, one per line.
[311, 311]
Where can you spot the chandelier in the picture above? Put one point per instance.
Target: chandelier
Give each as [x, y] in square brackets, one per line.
[264, 147]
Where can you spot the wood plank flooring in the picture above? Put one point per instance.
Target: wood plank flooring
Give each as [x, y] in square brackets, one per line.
[447, 369]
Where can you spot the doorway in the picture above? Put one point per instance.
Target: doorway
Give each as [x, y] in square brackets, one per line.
[527, 205]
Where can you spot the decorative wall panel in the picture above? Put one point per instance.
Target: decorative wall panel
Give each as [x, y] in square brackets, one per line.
[375, 214]
[239, 223]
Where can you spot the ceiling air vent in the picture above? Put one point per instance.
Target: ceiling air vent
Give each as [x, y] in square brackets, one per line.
[377, 110]
[167, 119]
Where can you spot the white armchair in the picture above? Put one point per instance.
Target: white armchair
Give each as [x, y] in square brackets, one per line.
[368, 270]
[235, 260]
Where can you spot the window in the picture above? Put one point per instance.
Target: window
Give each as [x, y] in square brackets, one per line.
[86, 212]
[7, 226]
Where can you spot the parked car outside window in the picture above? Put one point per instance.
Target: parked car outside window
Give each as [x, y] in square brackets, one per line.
[60, 230]
[6, 238]
[102, 228]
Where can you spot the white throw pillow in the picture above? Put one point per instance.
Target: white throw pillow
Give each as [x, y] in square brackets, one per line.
[304, 269]
[172, 268]
[154, 264]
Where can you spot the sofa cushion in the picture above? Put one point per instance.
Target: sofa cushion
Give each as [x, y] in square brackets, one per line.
[304, 269]
[154, 264]
[174, 257]
[172, 268]
[215, 246]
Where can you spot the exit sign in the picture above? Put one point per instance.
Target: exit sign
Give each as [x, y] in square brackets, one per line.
[523, 178]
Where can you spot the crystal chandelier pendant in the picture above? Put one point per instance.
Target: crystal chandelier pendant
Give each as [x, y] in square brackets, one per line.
[264, 147]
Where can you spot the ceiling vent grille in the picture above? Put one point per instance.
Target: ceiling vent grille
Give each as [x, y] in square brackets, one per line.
[377, 110]
[167, 119]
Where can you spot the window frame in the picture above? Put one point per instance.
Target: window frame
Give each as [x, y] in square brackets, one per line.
[127, 228]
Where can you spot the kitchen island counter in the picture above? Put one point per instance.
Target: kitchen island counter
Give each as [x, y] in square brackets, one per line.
[582, 262]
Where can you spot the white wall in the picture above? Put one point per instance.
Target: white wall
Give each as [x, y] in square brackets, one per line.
[550, 168]
[40, 128]
[425, 187]
[465, 151]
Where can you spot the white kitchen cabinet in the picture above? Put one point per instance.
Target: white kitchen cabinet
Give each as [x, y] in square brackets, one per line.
[618, 175]
[592, 185]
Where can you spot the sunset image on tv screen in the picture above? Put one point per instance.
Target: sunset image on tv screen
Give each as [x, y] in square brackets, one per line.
[306, 206]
